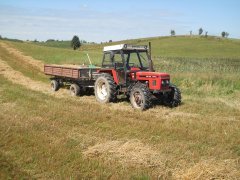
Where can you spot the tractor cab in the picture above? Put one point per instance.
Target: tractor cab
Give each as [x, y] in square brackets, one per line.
[127, 57]
[123, 60]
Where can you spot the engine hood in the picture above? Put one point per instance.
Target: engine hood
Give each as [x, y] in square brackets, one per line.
[148, 74]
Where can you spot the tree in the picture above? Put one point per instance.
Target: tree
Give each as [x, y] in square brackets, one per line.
[206, 33]
[190, 33]
[0, 37]
[226, 34]
[75, 43]
[110, 41]
[172, 33]
[223, 34]
[200, 31]
[50, 40]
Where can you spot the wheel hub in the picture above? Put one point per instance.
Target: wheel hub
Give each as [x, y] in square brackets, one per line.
[102, 91]
[138, 98]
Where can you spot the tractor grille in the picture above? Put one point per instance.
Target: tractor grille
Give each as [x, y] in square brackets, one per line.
[165, 82]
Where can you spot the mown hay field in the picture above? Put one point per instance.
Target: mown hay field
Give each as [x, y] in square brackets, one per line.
[52, 135]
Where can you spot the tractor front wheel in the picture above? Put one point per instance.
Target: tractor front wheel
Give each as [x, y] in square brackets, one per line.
[105, 89]
[140, 97]
[173, 98]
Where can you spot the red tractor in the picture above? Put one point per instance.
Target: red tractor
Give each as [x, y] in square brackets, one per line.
[128, 69]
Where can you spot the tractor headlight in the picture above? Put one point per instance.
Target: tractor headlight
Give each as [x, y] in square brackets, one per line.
[165, 82]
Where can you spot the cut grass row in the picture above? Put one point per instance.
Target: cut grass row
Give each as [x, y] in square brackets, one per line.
[57, 55]
[19, 65]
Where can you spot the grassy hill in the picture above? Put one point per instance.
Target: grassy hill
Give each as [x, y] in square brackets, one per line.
[45, 135]
[192, 61]
[191, 47]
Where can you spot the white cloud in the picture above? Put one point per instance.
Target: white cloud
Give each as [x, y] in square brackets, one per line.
[91, 25]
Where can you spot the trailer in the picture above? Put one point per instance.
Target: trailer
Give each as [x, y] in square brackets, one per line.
[79, 78]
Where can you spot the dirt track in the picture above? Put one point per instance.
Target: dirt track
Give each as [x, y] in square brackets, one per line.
[18, 78]
[21, 57]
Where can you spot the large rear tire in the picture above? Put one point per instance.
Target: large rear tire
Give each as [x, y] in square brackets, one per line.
[105, 89]
[140, 97]
[173, 98]
[55, 85]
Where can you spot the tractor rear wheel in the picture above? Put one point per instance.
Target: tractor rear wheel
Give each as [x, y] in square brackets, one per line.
[55, 85]
[140, 97]
[74, 90]
[173, 98]
[105, 89]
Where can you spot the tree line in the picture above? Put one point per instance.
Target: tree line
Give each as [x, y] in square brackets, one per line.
[224, 34]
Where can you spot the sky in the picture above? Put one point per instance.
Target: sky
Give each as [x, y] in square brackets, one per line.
[104, 20]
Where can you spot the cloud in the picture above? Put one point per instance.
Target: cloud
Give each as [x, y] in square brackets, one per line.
[92, 25]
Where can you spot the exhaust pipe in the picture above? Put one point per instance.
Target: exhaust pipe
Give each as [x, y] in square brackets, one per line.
[150, 57]
[150, 49]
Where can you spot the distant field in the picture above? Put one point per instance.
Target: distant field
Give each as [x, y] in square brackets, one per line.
[58, 44]
[47, 135]
[194, 47]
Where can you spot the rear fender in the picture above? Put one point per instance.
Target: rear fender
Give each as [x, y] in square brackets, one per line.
[112, 72]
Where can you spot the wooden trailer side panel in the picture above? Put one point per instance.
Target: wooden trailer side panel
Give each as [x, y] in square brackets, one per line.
[62, 71]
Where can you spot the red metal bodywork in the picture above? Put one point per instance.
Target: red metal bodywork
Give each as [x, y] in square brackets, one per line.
[154, 79]
[113, 72]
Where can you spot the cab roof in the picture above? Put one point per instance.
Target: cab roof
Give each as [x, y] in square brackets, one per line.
[125, 47]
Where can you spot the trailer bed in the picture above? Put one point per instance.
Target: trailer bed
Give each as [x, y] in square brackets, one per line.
[71, 71]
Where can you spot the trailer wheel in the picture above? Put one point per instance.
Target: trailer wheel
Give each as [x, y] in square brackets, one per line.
[140, 97]
[173, 98]
[55, 85]
[74, 90]
[105, 89]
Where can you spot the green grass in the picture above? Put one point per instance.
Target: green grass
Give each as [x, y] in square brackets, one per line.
[41, 138]
[196, 64]
[196, 47]
[49, 144]
[25, 68]
[58, 55]
[183, 47]
[57, 44]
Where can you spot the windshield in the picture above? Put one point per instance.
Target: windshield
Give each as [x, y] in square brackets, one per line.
[132, 58]
[137, 59]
